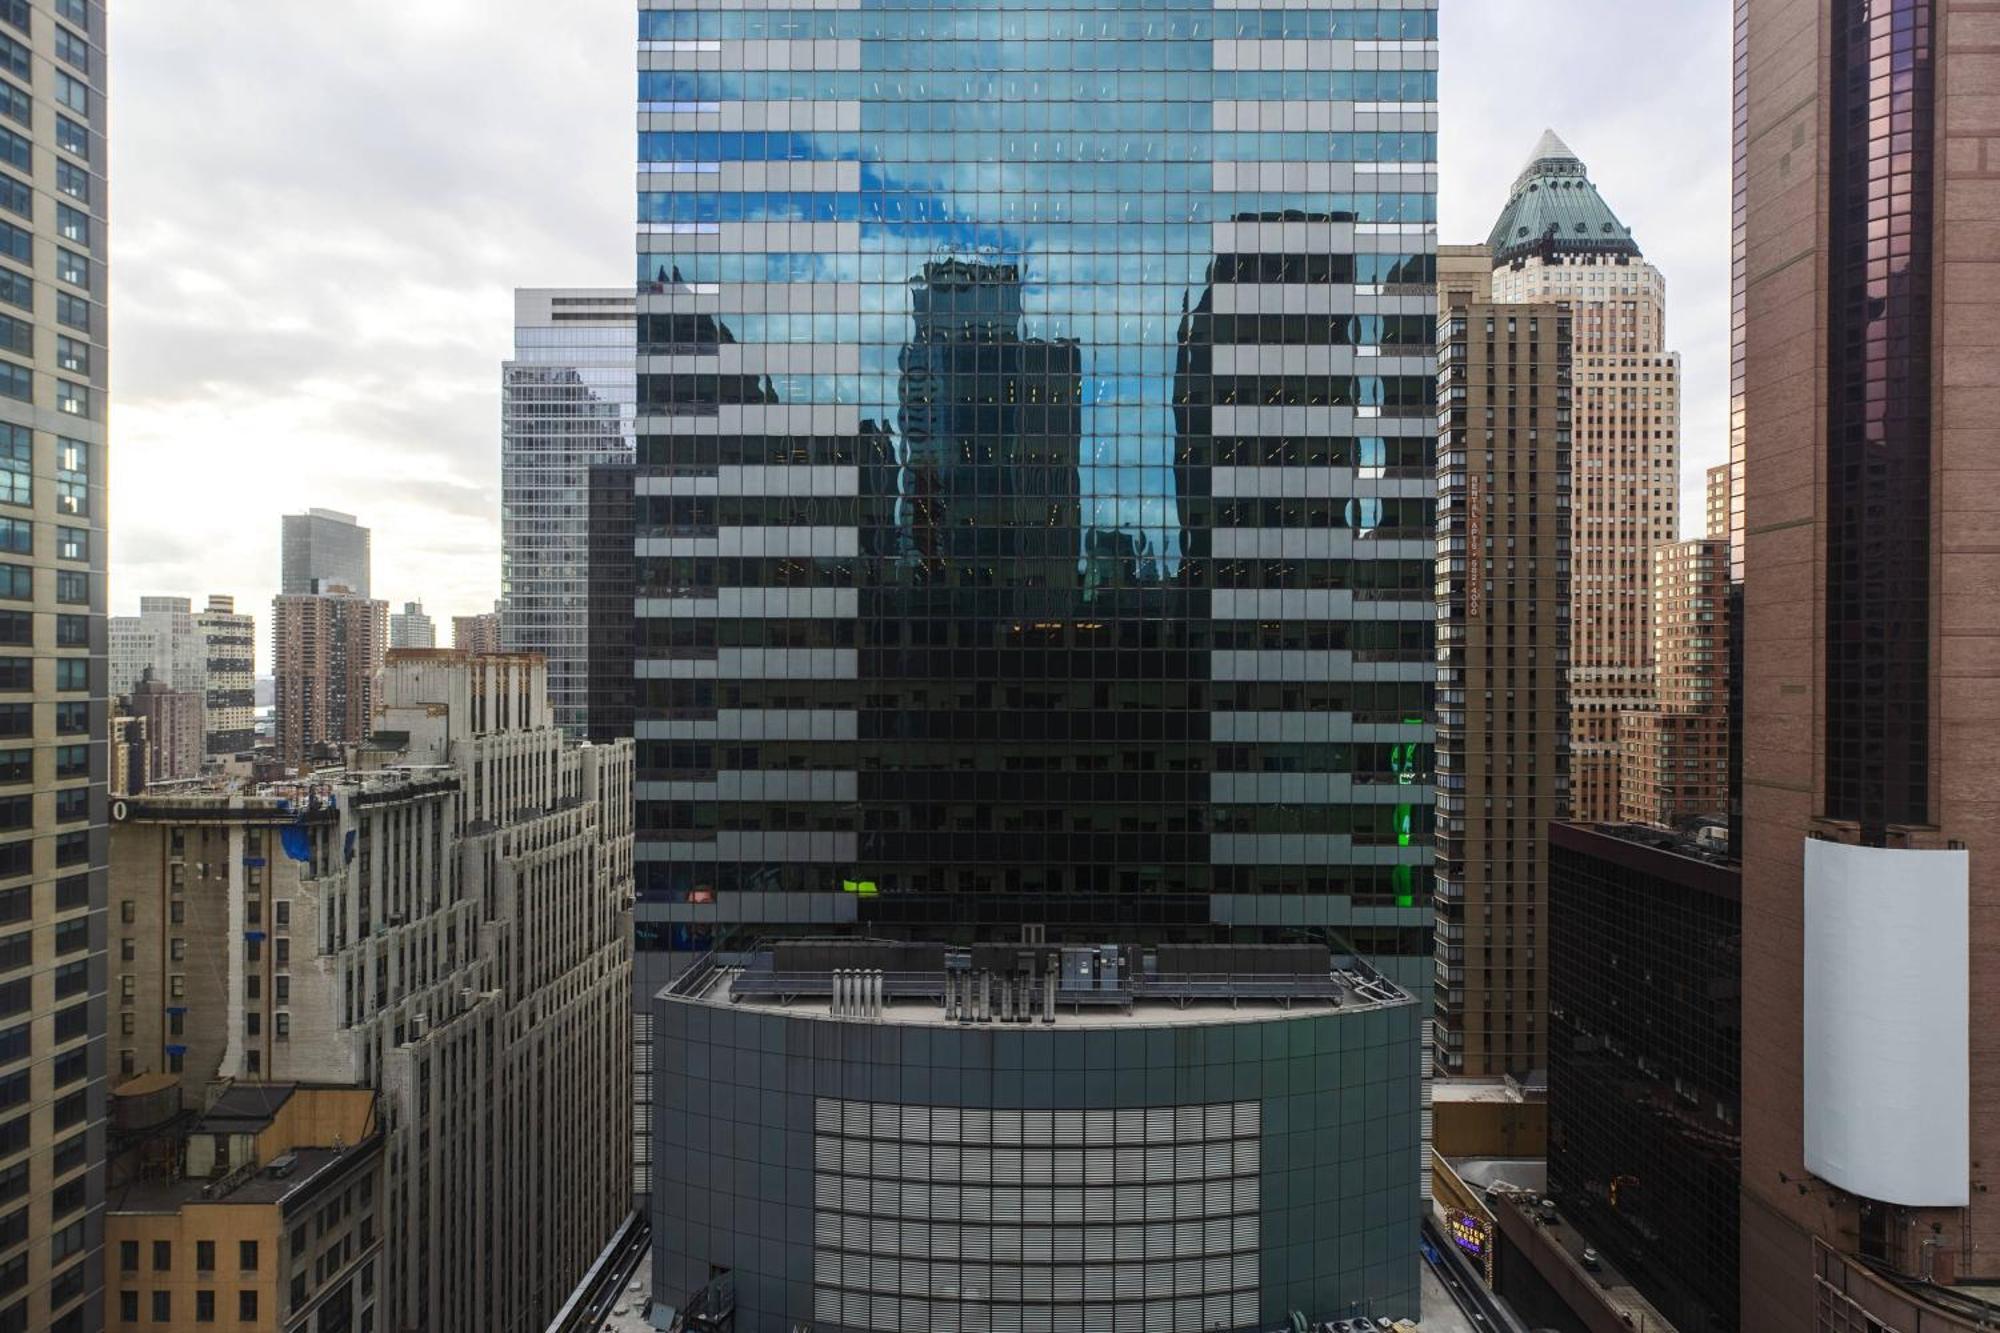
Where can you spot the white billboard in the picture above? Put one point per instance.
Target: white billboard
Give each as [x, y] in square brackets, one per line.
[1887, 1008]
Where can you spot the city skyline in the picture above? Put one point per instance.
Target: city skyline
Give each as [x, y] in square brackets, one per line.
[353, 286]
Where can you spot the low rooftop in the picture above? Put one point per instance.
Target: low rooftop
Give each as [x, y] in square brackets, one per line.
[1070, 985]
[271, 1182]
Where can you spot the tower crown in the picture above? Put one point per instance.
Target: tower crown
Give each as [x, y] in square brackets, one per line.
[1553, 210]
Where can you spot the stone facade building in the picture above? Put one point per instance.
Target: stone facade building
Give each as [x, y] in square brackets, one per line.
[445, 921]
[1558, 241]
[1504, 458]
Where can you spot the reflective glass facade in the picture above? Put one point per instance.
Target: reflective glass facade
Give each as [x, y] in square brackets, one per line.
[1878, 426]
[566, 408]
[1034, 520]
[1646, 1059]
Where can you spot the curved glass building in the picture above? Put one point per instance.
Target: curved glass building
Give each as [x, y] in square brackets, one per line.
[1035, 437]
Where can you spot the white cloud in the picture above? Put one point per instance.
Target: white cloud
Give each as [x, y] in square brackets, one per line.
[318, 225]
[1642, 94]
[317, 229]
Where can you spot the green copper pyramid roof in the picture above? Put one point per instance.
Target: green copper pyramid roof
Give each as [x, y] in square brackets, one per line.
[1554, 210]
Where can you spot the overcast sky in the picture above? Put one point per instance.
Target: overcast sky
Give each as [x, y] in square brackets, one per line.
[319, 218]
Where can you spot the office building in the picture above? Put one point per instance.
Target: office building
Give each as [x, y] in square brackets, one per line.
[1558, 241]
[444, 922]
[262, 1210]
[1005, 548]
[129, 651]
[173, 728]
[163, 637]
[479, 635]
[1504, 490]
[1645, 1081]
[912, 1137]
[54, 377]
[229, 652]
[323, 549]
[1674, 757]
[566, 406]
[611, 693]
[1870, 831]
[326, 651]
[411, 628]
[1034, 544]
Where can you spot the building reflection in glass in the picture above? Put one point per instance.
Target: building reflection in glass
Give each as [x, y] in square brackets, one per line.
[1034, 530]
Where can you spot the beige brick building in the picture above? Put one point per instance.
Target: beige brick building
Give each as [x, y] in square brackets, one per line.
[1504, 455]
[1557, 241]
[1675, 756]
[446, 921]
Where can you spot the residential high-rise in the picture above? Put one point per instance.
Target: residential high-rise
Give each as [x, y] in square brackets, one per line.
[1870, 831]
[1503, 475]
[322, 549]
[411, 628]
[229, 651]
[1718, 503]
[210, 654]
[479, 635]
[173, 728]
[1557, 240]
[54, 377]
[326, 651]
[1645, 1061]
[566, 406]
[1674, 756]
[1034, 527]
[444, 923]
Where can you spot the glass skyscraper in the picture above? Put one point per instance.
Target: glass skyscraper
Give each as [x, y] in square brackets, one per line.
[1033, 516]
[566, 407]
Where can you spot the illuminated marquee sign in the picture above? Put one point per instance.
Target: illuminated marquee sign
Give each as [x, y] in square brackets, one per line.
[1472, 1234]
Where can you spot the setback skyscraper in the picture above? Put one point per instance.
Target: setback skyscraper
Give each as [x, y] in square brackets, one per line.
[1869, 524]
[566, 406]
[323, 549]
[1034, 516]
[1557, 240]
[54, 372]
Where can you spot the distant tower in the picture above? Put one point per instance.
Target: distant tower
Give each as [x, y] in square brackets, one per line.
[321, 548]
[411, 628]
[568, 397]
[1557, 241]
